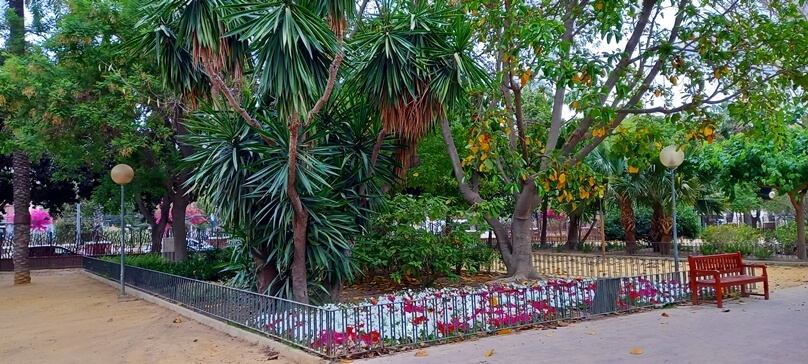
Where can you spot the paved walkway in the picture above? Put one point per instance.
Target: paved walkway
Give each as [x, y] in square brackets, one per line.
[752, 331]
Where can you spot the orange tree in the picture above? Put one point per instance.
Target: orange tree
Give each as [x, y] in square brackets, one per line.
[600, 62]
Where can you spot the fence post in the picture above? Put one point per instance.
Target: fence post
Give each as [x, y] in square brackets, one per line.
[606, 292]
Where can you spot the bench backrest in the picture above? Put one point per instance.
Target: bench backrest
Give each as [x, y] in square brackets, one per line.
[728, 263]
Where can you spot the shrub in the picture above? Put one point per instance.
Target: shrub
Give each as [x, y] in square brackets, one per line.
[708, 249]
[785, 237]
[763, 252]
[731, 238]
[205, 266]
[399, 248]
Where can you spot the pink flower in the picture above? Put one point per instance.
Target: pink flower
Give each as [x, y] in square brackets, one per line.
[40, 219]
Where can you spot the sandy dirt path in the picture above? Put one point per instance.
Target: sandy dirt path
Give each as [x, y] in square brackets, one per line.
[66, 317]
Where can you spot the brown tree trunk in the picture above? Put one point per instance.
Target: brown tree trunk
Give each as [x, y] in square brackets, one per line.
[797, 202]
[22, 217]
[629, 223]
[572, 230]
[543, 236]
[522, 256]
[666, 240]
[21, 179]
[265, 272]
[180, 203]
[158, 229]
[656, 228]
[300, 289]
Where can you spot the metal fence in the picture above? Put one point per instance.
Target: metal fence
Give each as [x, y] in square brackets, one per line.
[297, 324]
[405, 320]
[584, 265]
[763, 250]
[135, 242]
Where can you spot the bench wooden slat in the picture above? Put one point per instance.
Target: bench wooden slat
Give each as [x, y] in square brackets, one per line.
[721, 271]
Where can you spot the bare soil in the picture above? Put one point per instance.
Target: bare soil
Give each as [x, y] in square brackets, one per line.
[66, 317]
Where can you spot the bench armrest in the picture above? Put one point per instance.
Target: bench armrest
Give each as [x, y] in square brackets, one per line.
[761, 266]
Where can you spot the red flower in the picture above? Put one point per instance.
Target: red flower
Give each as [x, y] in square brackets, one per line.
[419, 320]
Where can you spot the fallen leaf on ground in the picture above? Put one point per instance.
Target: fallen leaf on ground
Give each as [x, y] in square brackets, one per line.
[636, 351]
[504, 332]
[549, 334]
[593, 332]
[177, 320]
[665, 314]
[489, 352]
[727, 310]
[346, 361]
[563, 324]
[741, 302]
[421, 353]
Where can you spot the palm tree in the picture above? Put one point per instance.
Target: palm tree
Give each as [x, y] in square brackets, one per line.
[21, 162]
[623, 187]
[657, 196]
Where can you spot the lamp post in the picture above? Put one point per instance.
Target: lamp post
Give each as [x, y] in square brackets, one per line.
[671, 157]
[122, 174]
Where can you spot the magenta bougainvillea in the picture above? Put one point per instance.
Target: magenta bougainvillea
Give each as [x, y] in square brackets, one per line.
[193, 214]
[40, 219]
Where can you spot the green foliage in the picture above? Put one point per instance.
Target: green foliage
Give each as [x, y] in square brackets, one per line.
[688, 224]
[783, 238]
[709, 248]
[731, 234]
[763, 252]
[731, 238]
[247, 178]
[401, 247]
[208, 265]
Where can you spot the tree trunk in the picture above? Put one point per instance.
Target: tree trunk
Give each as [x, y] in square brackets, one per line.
[265, 272]
[22, 217]
[629, 223]
[572, 230]
[656, 228]
[797, 202]
[544, 208]
[666, 229]
[180, 203]
[157, 225]
[300, 287]
[21, 178]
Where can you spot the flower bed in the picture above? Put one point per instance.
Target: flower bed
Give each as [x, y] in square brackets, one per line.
[410, 317]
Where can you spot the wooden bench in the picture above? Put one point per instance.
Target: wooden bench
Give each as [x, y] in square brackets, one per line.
[720, 271]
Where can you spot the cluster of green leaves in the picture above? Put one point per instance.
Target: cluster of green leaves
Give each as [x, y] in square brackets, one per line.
[208, 265]
[783, 238]
[729, 239]
[247, 179]
[688, 224]
[402, 245]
